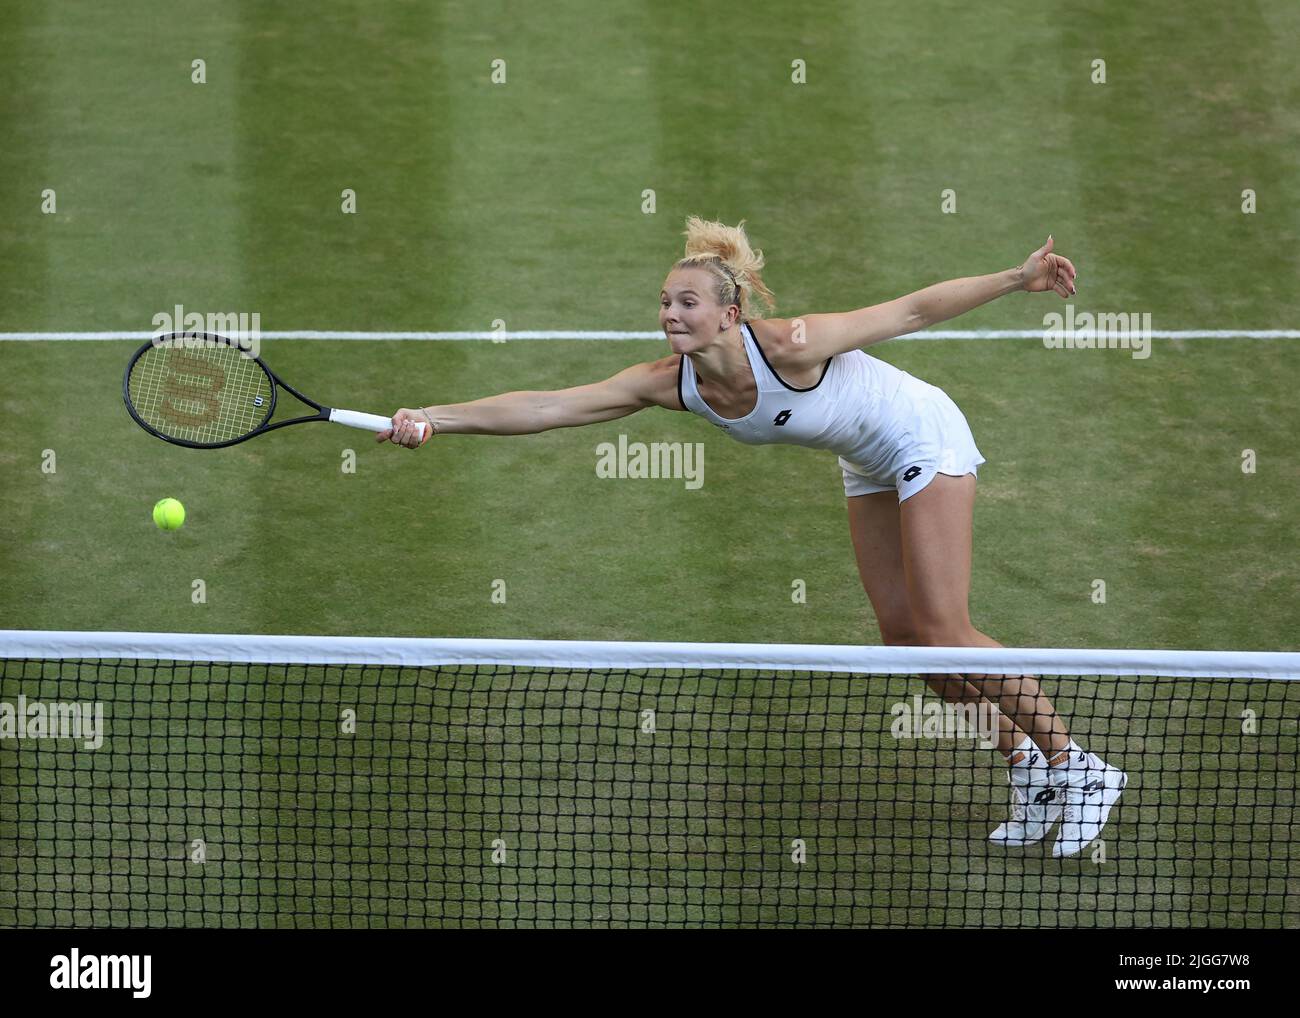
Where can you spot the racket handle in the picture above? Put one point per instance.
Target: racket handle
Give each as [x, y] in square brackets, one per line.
[369, 422]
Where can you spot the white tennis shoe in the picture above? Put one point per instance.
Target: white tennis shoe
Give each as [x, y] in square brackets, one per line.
[1090, 788]
[1036, 804]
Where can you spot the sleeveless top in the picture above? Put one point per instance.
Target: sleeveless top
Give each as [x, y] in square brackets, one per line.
[859, 409]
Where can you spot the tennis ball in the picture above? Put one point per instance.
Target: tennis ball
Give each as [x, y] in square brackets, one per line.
[168, 514]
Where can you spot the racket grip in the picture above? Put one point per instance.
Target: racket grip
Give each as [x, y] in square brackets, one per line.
[369, 422]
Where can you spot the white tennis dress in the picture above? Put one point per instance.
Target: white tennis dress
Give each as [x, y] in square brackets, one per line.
[891, 430]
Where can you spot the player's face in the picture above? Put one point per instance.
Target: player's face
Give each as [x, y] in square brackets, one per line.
[689, 314]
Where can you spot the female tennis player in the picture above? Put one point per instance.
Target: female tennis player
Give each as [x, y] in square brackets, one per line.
[906, 453]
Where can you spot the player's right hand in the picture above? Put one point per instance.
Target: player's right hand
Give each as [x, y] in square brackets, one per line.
[404, 431]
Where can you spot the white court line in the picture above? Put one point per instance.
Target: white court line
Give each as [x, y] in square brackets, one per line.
[573, 334]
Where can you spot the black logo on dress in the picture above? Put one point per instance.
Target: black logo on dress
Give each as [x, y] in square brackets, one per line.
[911, 473]
[781, 418]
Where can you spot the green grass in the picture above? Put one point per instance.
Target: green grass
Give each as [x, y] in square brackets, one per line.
[1130, 474]
[522, 202]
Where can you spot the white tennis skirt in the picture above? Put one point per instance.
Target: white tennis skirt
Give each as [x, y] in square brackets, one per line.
[934, 439]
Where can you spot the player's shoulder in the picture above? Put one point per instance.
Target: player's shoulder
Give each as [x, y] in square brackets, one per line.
[664, 369]
[663, 378]
[784, 344]
[652, 383]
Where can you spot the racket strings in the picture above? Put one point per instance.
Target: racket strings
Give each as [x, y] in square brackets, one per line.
[202, 391]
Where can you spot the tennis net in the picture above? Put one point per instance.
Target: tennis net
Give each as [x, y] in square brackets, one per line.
[176, 780]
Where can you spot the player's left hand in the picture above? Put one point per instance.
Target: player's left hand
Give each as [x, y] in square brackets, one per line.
[1046, 271]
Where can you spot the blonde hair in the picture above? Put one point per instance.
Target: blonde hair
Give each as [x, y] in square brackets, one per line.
[724, 252]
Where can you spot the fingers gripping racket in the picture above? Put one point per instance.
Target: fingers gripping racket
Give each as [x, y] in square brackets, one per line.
[206, 391]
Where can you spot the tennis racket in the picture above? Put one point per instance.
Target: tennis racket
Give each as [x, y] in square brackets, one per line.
[205, 392]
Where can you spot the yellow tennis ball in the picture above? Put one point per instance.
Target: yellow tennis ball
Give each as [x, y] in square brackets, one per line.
[168, 514]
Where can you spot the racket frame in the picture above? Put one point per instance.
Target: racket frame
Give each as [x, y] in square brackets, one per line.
[322, 412]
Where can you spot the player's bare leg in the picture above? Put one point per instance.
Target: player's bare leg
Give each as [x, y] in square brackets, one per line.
[935, 528]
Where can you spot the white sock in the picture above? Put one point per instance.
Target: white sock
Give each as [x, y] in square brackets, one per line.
[1026, 761]
[1021, 752]
[1072, 769]
[1075, 754]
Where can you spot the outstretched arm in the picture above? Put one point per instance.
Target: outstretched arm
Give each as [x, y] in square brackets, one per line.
[1042, 271]
[528, 413]
[825, 335]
